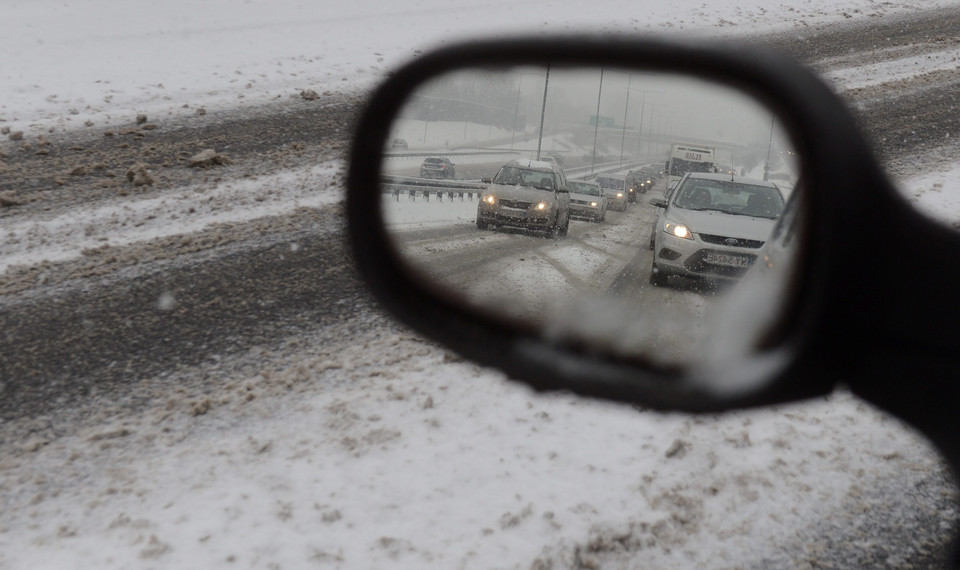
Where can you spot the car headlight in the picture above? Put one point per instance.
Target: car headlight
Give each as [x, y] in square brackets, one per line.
[678, 230]
[619, 194]
[541, 206]
[593, 204]
[490, 199]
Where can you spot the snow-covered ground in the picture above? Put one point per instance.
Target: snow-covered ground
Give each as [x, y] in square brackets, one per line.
[383, 451]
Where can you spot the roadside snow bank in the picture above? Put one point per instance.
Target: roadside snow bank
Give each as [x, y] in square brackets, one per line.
[388, 453]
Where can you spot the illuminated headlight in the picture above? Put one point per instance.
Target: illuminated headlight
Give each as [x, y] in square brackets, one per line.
[593, 204]
[619, 194]
[541, 206]
[490, 200]
[679, 230]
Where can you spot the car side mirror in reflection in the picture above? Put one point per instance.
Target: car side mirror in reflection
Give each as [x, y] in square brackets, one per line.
[765, 277]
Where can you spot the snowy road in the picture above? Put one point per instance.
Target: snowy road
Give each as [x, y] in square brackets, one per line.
[191, 374]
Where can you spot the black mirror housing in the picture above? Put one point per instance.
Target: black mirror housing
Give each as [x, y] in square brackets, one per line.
[830, 325]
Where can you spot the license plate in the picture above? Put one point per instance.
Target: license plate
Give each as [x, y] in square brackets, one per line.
[726, 259]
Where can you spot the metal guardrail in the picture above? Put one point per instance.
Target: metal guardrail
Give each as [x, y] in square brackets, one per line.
[425, 188]
[454, 153]
[581, 172]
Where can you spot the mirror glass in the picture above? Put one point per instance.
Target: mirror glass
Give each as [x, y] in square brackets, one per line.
[618, 208]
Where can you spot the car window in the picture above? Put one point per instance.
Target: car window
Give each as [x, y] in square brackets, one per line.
[731, 198]
[610, 183]
[584, 188]
[514, 176]
[589, 189]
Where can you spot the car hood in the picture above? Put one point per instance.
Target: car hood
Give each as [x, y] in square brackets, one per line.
[524, 193]
[721, 224]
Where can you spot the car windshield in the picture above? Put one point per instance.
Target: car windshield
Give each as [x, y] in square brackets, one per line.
[516, 176]
[730, 197]
[610, 183]
[584, 188]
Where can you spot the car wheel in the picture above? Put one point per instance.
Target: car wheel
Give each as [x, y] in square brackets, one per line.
[481, 224]
[653, 240]
[657, 278]
[566, 226]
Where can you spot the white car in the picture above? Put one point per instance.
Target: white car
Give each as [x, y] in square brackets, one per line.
[713, 226]
[587, 200]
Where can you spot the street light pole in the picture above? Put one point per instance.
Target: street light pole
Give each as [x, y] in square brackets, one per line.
[543, 110]
[596, 125]
[623, 133]
[516, 113]
[766, 166]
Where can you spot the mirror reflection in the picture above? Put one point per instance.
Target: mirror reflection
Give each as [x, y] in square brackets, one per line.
[618, 208]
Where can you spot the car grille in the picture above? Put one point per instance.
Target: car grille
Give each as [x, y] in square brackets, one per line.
[731, 241]
[515, 204]
[583, 202]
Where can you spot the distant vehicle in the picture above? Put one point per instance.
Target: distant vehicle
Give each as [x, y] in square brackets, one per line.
[399, 144]
[639, 182]
[587, 200]
[713, 226]
[437, 167]
[529, 194]
[686, 158]
[555, 156]
[614, 187]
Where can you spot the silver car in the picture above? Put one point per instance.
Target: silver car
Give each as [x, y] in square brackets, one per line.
[713, 226]
[587, 200]
[530, 194]
[615, 188]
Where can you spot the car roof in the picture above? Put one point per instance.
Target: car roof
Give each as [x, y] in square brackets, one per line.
[730, 178]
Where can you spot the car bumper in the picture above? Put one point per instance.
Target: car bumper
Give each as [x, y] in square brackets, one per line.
[516, 217]
[694, 258]
[585, 211]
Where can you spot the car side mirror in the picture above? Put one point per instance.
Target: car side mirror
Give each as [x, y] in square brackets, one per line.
[778, 315]
[658, 202]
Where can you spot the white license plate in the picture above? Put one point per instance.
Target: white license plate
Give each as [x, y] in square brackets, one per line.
[726, 259]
